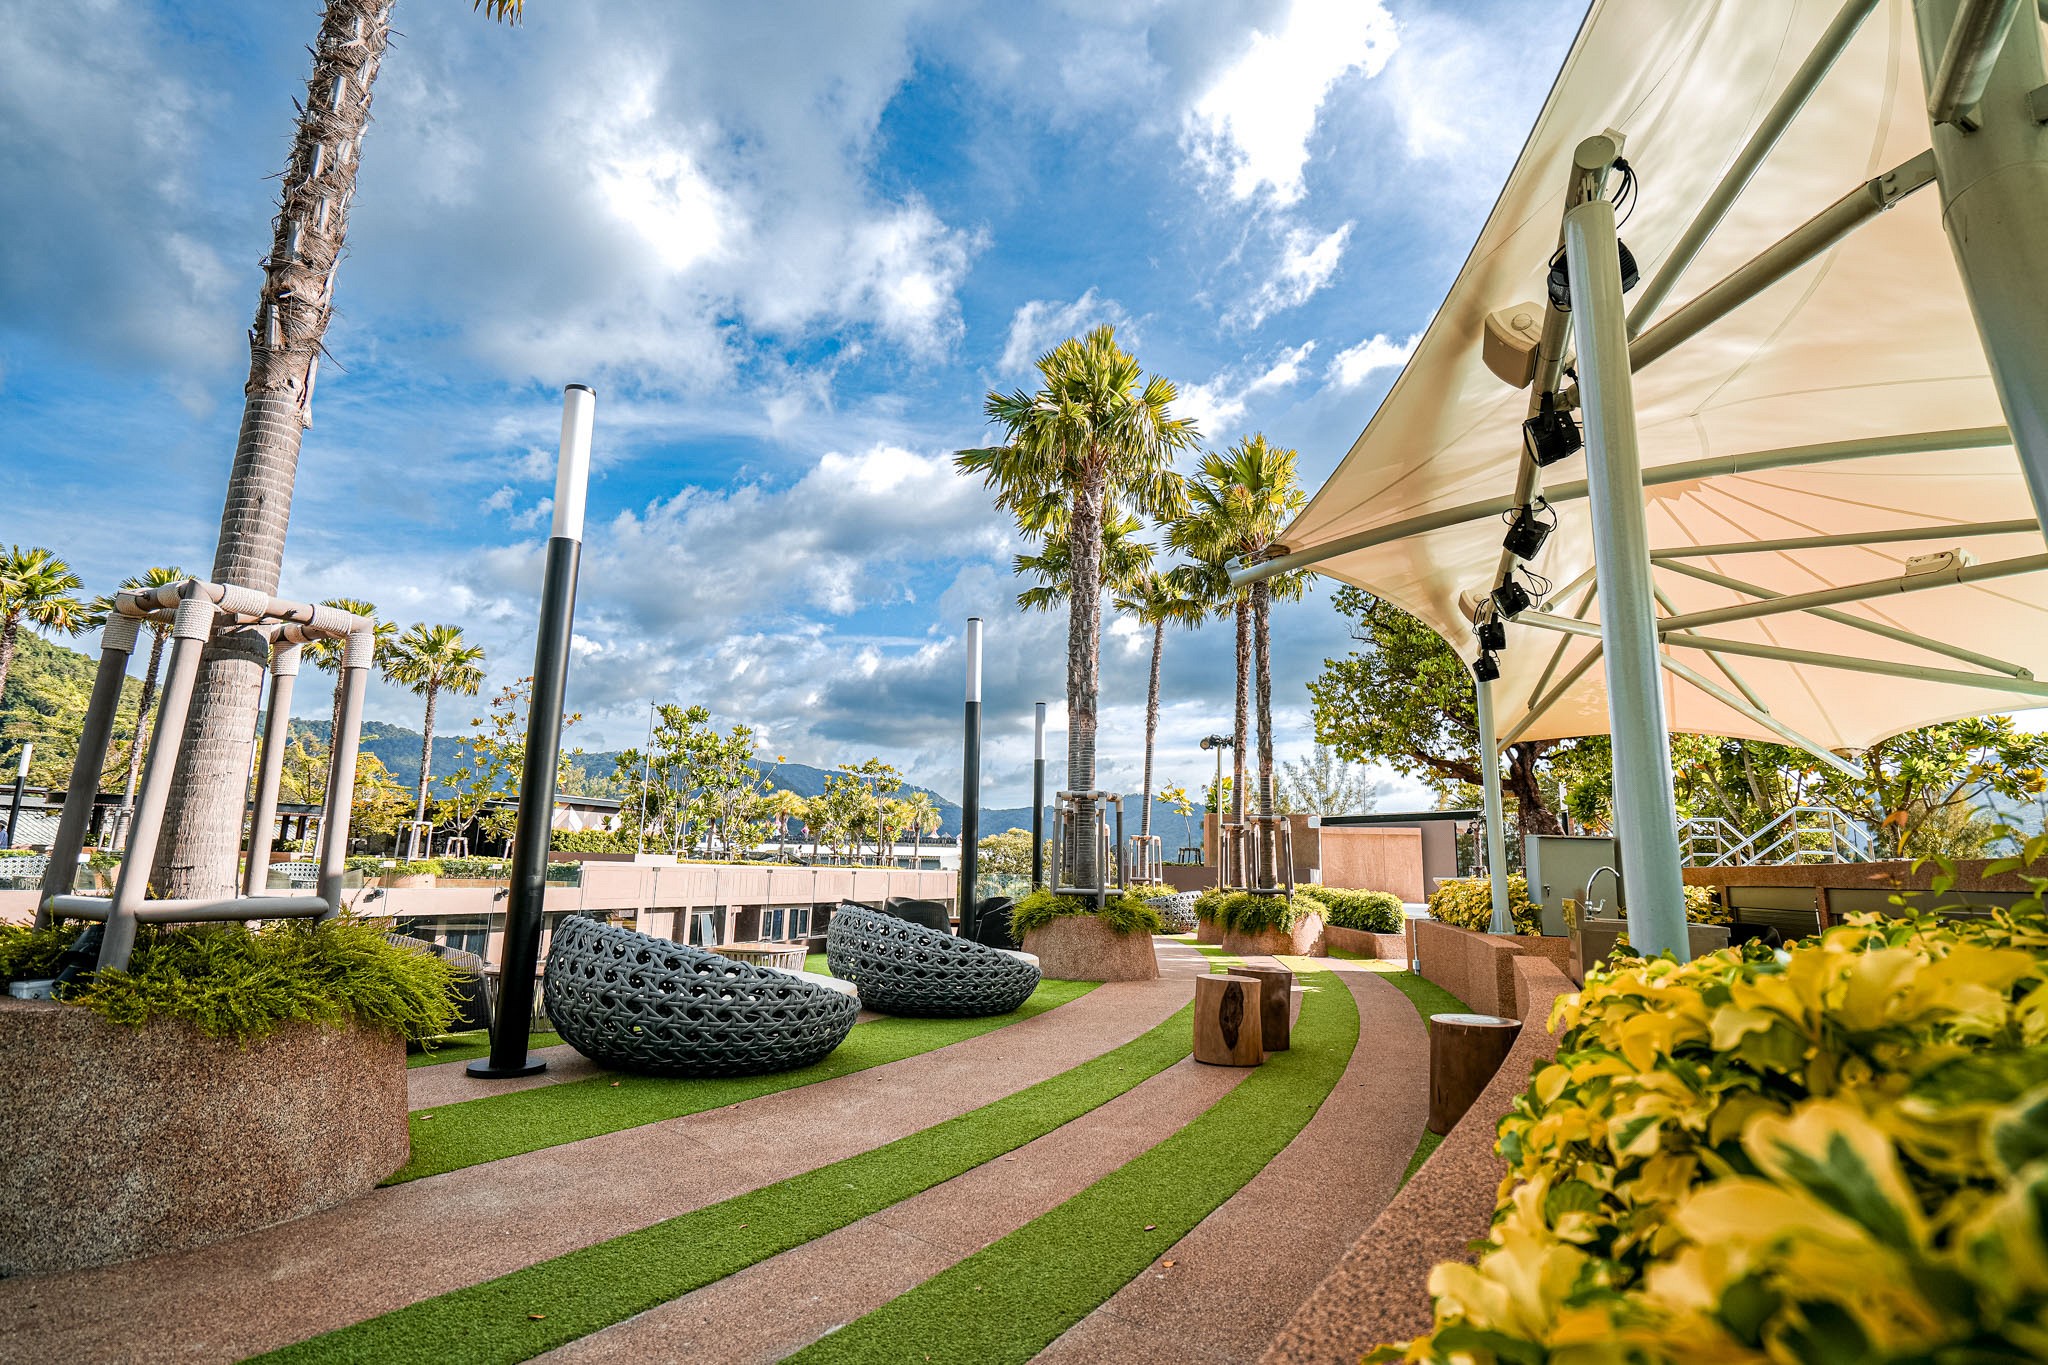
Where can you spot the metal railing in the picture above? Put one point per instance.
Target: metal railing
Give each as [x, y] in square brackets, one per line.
[1803, 834]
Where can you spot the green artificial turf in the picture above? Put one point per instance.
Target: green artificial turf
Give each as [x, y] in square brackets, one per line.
[1430, 1142]
[463, 1134]
[529, 1311]
[1010, 1299]
[464, 1047]
[817, 962]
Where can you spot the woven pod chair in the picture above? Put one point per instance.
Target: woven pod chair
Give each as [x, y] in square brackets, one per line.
[905, 968]
[1176, 911]
[636, 1003]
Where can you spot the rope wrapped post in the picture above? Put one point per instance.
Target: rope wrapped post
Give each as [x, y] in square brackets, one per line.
[284, 674]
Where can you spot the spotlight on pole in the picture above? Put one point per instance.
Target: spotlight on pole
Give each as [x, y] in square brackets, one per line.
[1510, 600]
[514, 1019]
[1493, 636]
[1486, 668]
[1551, 435]
[1532, 524]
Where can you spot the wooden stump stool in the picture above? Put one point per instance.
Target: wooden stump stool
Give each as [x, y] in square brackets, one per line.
[1464, 1052]
[1276, 1003]
[1227, 1031]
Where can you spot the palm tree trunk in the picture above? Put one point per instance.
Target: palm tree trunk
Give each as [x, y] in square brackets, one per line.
[427, 748]
[10, 639]
[1084, 670]
[1262, 600]
[156, 658]
[1151, 726]
[202, 826]
[1242, 734]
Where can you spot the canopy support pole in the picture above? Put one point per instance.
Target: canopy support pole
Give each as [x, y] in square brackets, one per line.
[1727, 669]
[1496, 838]
[1857, 539]
[1646, 810]
[1563, 685]
[1779, 605]
[1761, 717]
[1993, 175]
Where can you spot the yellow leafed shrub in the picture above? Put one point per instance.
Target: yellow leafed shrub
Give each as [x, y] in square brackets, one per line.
[1835, 1151]
[1467, 903]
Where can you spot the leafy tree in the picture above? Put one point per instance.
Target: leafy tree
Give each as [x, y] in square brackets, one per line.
[494, 759]
[1238, 505]
[431, 660]
[855, 797]
[36, 587]
[1097, 436]
[294, 304]
[379, 805]
[326, 654]
[782, 806]
[1007, 854]
[1323, 784]
[1921, 790]
[1157, 600]
[699, 783]
[44, 705]
[921, 817]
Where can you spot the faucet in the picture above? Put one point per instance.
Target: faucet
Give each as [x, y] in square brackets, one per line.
[1587, 905]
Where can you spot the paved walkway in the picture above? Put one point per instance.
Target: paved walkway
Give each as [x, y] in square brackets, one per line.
[409, 1242]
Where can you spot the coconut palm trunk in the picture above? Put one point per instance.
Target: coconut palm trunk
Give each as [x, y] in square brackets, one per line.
[1084, 673]
[203, 824]
[427, 749]
[1151, 726]
[1262, 670]
[1242, 731]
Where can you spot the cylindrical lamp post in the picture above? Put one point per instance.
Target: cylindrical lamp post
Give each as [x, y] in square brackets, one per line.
[970, 784]
[529, 870]
[1038, 798]
[14, 807]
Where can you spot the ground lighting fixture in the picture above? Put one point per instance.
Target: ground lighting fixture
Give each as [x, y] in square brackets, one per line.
[1529, 527]
[1551, 435]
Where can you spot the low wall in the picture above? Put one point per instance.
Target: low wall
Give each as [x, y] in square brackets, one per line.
[1379, 1292]
[1365, 943]
[1480, 968]
[128, 1142]
[1083, 948]
[1374, 858]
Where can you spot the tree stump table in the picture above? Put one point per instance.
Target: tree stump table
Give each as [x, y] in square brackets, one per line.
[1227, 1028]
[1465, 1050]
[1276, 1003]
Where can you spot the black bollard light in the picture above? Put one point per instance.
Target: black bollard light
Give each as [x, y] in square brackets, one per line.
[970, 786]
[530, 845]
[1038, 798]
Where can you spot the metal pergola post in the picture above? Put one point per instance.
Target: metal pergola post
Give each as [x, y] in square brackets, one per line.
[1646, 813]
[284, 674]
[1983, 68]
[1496, 836]
[357, 652]
[117, 644]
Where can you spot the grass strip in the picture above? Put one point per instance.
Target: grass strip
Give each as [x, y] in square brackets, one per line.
[464, 1047]
[529, 1311]
[493, 1127]
[1012, 1298]
[1430, 1142]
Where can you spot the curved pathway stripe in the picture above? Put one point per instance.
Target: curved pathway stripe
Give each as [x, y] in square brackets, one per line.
[402, 1244]
[1010, 1300]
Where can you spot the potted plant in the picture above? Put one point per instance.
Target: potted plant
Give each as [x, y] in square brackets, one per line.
[1074, 941]
[416, 873]
[1266, 923]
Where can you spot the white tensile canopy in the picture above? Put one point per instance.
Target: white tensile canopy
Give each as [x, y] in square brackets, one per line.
[1869, 345]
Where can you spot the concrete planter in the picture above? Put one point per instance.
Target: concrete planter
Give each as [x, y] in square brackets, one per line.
[410, 881]
[1207, 931]
[1304, 940]
[1593, 938]
[132, 1141]
[1083, 948]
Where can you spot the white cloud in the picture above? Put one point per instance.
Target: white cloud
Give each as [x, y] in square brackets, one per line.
[1217, 405]
[1251, 126]
[1354, 365]
[1041, 324]
[1307, 262]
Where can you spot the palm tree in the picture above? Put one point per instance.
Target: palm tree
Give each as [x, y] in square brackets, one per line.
[293, 307]
[1124, 557]
[431, 660]
[159, 631]
[326, 654]
[36, 587]
[1157, 600]
[784, 805]
[1099, 435]
[1242, 499]
[921, 817]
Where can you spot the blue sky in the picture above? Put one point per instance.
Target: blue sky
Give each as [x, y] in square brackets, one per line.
[792, 246]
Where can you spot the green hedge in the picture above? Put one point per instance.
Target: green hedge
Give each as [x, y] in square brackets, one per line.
[234, 982]
[1837, 1151]
[1247, 912]
[1125, 914]
[1377, 912]
[1467, 902]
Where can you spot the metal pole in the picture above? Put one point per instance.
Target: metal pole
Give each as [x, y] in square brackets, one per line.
[284, 674]
[646, 758]
[14, 806]
[189, 632]
[1496, 820]
[1038, 797]
[117, 645]
[1645, 810]
[529, 871]
[1994, 203]
[357, 652]
[970, 785]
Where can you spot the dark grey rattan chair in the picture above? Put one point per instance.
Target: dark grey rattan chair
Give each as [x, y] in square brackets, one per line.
[905, 968]
[931, 914]
[637, 1003]
[1177, 911]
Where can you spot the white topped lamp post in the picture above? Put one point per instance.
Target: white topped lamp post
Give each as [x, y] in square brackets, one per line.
[970, 785]
[530, 845]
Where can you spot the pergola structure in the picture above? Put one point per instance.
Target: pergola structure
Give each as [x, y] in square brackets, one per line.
[196, 611]
[1815, 431]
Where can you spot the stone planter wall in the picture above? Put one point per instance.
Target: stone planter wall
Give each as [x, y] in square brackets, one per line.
[127, 1142]
[1366, 943]
[1207, 931]
[1304, 940]
[1480, 968]
[1083, 948]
